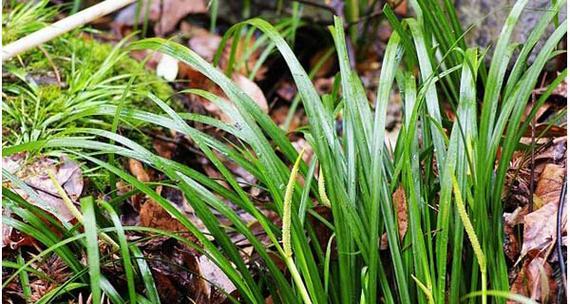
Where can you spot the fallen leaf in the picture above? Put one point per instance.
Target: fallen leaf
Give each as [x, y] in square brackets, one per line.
[512, 244]
[35, 175]
[252, 90]
[137, 169]
[286, 90]
[400, 7]
[13, 163]
[249, 87]
[539, 274]
[164, 13]
[202, 41]
[164, 148]
[540, 228]
[301, 144]
[155, 216]
[172, 11]
[535, 280]
[550, 183]
[215, 277]
[13, 238]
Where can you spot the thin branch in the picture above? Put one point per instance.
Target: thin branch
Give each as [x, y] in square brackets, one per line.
[62, 26]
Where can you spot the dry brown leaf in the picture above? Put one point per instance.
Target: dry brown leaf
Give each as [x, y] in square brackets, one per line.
[539, 274]
[540, 225]
[203, 42]
[550, 183]
[539, 228]
[154, 216]
[14, 239]
[164, 13]
[13, 163]
[248, 86]
[68, 175]
[286, 89]
[251, 89]
[137, 169]
[535, 279]
[164, 148]
[216, 277]
[401, 9]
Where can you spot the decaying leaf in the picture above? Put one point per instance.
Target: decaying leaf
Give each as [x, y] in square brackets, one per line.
[535, 279]
[550, 183]
[248, 86]
[45, 195]
[12, 238]
[217, 279]
[540, 225]
[153, 215]
[164, 13]
[138, 170]
[539, 228]
[512, 244]
[201, 41]
[164, 148]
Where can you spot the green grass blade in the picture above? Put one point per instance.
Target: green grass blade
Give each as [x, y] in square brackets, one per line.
[87, 206]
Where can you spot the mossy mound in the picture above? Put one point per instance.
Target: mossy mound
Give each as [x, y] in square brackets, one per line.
[47, 89]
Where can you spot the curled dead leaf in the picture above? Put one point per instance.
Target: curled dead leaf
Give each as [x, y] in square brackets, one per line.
[45, 195]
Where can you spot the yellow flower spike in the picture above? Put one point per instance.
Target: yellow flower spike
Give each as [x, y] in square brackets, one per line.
[322, 191]
[479, 255]
[74, 211]
[287, 251]
[287, 207]
[66, 200]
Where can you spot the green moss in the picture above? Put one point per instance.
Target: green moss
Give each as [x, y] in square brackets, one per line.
[49, 92]
[46, 87]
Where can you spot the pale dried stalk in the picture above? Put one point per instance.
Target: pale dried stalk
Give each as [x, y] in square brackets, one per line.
[62, 26]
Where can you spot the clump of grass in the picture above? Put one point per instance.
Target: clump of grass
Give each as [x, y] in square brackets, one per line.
[22, 18]
[358, 172]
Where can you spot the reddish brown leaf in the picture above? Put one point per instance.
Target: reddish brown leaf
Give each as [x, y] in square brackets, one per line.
[137, 169]
[164, 13]
[550, 183]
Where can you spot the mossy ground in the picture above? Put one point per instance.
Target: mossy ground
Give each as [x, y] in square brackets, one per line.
[89, 73]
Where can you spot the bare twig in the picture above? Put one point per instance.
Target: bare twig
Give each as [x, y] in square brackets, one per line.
[62, 26]
[318, 5]
[561, 202]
